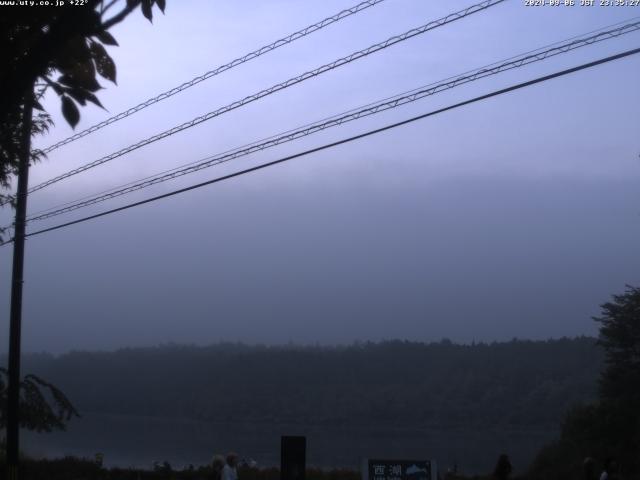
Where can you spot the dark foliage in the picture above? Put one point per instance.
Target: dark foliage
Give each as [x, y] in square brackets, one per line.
[610, 427]
[503, 468]
[46, 47]
[620, 338]
[43, 407]
[10, 144]
[518, 383]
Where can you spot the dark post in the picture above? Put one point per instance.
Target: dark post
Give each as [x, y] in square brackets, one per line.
[293, 453]
[13, 404]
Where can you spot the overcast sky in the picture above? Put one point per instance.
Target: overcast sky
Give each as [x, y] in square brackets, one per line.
[514, 217]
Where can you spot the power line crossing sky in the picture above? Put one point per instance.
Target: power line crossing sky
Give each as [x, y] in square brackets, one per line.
[506, 205]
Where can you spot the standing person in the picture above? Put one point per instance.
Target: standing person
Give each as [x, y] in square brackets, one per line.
[229, 471]
[503, 468]
[217, 465]
[610, 471]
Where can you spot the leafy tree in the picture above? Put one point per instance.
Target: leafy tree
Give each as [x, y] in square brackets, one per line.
[619, 409]
[396, 383]
[63, 49]
[611, 426]
[43, 407]
[58, 48]
[620, 338]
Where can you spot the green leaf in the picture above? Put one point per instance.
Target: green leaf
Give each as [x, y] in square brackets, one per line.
[104, 63]
[98, 52]
[70, 111]
[78, 96]
[73, 52]
[146, 10]
[78, 49]
[106, 38]
[65, 79]
[93, 99]
[57, 87]
[82, 96]
[80, 75]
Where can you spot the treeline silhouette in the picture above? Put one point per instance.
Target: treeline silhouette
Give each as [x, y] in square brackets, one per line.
[393, 383]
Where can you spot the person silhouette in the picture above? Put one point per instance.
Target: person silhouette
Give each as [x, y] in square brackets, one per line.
[229, 471]
[610, 471]
[503, 468]
[217, 464]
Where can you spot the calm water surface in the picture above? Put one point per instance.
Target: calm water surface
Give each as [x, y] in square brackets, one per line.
[130, 441]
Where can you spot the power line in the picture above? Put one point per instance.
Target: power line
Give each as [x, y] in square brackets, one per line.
[599, 31]
[345, 140]
[218, 70]
[275, 88]
[336, 120]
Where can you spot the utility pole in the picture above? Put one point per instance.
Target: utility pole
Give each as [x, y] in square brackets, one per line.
[13, 404]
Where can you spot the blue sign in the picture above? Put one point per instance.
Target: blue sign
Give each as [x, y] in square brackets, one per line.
[399, 470]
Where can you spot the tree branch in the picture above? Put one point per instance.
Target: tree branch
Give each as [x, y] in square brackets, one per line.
[109, 5]
[120, 16]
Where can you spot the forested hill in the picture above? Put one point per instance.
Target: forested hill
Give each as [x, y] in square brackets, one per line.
[517, 383]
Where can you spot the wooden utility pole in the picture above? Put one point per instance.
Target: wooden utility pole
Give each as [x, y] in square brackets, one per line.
[13, 404]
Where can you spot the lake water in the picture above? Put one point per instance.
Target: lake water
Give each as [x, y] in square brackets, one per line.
[130, 441]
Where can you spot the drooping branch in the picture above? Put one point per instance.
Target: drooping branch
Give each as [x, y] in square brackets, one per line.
[43, 406]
